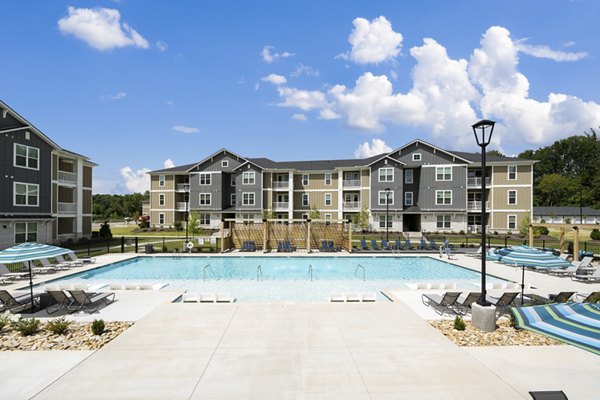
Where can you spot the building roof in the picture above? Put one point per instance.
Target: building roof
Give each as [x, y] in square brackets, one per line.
[314, 165]
[179, 168]
[561, 211]
[476, 157]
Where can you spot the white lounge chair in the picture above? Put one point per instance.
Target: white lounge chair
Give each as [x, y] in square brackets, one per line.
[6, 274]
[570, 270]
[70, 263]
[595, 277]
[60, 267]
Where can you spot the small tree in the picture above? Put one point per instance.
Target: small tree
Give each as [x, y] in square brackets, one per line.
[314, 213]
[105, 230]
[524, 227]
[361, 219]
[194, 223]
[268, 214]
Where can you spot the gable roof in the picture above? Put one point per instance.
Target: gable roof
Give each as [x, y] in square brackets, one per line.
[386, 156]
[452, 154]
[216, 153]
[476, 157]
[179, 168]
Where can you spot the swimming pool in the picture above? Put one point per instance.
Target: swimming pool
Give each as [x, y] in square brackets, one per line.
[281, 278]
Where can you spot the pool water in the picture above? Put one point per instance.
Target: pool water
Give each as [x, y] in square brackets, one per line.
[281, 278]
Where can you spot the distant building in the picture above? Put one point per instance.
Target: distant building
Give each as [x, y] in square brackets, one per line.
[45, 190]
[564, 215]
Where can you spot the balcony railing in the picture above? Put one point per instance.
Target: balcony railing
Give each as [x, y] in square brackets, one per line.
[281, 184]
[67, 207]
[281, 205]
[67, 177]
[181, 206]
[476, 205]
[351, 183]
[476, 182]
[183, 187]
[352, 205]
[473, 228]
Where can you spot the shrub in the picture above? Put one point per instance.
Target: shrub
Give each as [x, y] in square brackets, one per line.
[105, 230]
[143, 224]
[509, 233]
[595, 235]
[27, 327]
[459, 324]
[58, 326]
[542, 230]
[98, 327]
[4, 321]
[462, 232]
[513, 321]
[178, 225]
[496, 233]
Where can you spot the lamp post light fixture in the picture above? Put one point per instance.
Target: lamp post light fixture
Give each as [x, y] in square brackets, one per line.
[187, 213]
[483, 134]
[387, 214]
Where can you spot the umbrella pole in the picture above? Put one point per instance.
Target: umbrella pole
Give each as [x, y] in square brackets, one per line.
[523, 285]
[30, 285]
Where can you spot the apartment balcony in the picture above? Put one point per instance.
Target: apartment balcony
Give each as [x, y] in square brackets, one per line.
[182, 187]
[281, 185]
[351, 205]
[281, 206]
[69, 178]
[476, 205]
[473, 228]
[476, 182]
[181, 206]
[351, 183]
[67, 208]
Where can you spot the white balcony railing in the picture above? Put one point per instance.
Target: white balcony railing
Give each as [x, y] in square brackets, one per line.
[476, 182]
[67, 207]
[476, 204]
[281, 205]
[473, 228]
[351, 183]
[183, 187]
[67, 177]
[352, 205]
[181, 206]
[281, 184]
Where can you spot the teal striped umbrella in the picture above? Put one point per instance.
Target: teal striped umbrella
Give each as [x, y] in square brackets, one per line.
[577, 324]
[27, 252]
[529, 257]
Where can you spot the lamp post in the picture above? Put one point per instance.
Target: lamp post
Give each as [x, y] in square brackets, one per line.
[483, 134]
[387, 214]
[187, 213]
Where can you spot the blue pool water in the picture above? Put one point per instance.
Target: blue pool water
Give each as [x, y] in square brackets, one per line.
[281, 278]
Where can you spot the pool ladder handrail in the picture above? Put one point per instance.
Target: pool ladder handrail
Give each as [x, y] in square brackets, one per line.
[259, 272]
[364, 271]
[204, 271]
[310, 271]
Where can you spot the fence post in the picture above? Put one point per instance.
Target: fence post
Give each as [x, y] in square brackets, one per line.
[164, 246]
[584, 246]
[136, 244]
[467, 241]
[349, 236]
[222, 235]
[308, 235]
[489, 242]
[89, 248]
[505, 241]
[108, 245]
[122, 244]
[543, 243]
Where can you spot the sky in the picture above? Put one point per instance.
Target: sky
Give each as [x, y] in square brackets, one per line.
[138, 85]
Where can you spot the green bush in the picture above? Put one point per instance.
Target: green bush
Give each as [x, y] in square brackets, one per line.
[459, 324]
[58, 326]
[595, 234]
[26, 326]
[178, 225]
[513, 320]
[98, 327]
[4, 321]
[105, 230]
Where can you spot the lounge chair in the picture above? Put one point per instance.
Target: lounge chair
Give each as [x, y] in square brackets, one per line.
[363, 245]
[549, 395]
[570, 270]
[463, 304]
[503, 302]
[585, 263]
[476, 254]
[587, 298]
[5, 274]
[564, 256]
[333, 247]
[423, 245]
[244, 246]
[432, 245]
[287, 245]
[408, 245]
[441, 303]
[385, 245]
[561, 297]
[61, 299]
[70, 263]
[89, 301]
[251, 246]
[19, 303]
[325, 246]
[595, 277]
[374, 245]
[85, 260]
[399, 245]
[60, 267]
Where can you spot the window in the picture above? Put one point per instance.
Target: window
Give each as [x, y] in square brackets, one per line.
[205, 199]
[203, 219]
[305, 199]
[27, 135]
[512, 197]
[444, 221]
[161, 219]
[408, 198]
[416, 157]
[408, 176]
[327, 217]
[248, 199]
[248, 178]
[512, 172]
[26, 194]
[161, 180]
[232, 180]
[25, 232]
[512, 222]
[328, 179]
[386, 174]
[327, 199]
[26, 157]
[305, 216]
[204, 179]
[382, 196]
[225, 163]
[382, 221]
[161, 199]
[443, 197]
[305, 179]
[443, 173]
[233, 199]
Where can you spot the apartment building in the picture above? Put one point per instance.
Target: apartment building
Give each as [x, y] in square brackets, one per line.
[418, 187]
[46, 191]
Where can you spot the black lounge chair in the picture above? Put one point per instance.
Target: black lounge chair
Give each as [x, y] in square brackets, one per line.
[441, 303]
[61, 299]
[385, 245]
[374, 245]
[399, 245]
[549, 395]
[561, 297]
[463, 304]
[503, 302]
[409, 246]
[20, 303]
[89, 301]
[589, 297]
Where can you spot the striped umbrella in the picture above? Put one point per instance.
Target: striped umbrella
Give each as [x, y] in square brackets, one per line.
[577, 324]
[27, 252]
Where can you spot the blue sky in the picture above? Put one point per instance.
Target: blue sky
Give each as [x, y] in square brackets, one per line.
[138, 85]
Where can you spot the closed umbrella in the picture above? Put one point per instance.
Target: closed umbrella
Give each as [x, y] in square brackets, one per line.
[28, 252]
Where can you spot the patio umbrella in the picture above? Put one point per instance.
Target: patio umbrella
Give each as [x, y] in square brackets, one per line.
[577, 324]
[525, 256]
[28, 252]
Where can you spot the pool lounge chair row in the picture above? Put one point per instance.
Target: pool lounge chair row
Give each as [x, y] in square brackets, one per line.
[398, 245]
[70, 300]
[248, 245]
[367, 297]
[285, 246]
[460, 304]
[329, 246]
[191, 297]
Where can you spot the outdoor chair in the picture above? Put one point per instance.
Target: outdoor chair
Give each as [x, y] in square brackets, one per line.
[60, 267]
[503, 302]
[6, 274]
[85, 260]
[595, 277]
[423, 245]
[585, 263]
[463, 304]
[561, 297]
[549, 395]
[70, 263]
[88, 301]
[324, 246]
[244, 246]
[441, 303]
[61, 299]
[587, 298]
[399, 245]
[20, 303]
[385, 245]
[363, 245]
[409, 246]
[432, 245]
[570, 270]
[332, 246]
[564, 256]
[476, 254]
[251, 246]
[374, 245]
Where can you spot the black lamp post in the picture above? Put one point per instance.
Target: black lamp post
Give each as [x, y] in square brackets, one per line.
[387, 214]
[483, 134]
[187, 213]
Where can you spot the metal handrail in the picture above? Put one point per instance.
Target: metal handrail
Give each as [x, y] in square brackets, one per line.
[259, 273]
[364, 271]
[204, 271]
[310, 271]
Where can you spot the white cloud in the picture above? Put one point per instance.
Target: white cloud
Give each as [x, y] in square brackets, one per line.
[376, 147]
[162, 46]
[185, 129]
[269, 54]
[118, 96]
[299, 117]
[541, 51]
[305, 70]
[328, 113]
[101, 28]
[168, 163]
[373, 42]
[275, 79]
[136, 181]
[302, 99]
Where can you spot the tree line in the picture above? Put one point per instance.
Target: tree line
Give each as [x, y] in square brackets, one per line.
[112, 207]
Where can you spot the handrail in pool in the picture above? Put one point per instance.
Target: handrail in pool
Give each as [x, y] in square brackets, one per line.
[310, 271]
[258, 272]
[364, 271]
[204, 271]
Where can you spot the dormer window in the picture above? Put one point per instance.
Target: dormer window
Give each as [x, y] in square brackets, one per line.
[225, 163]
